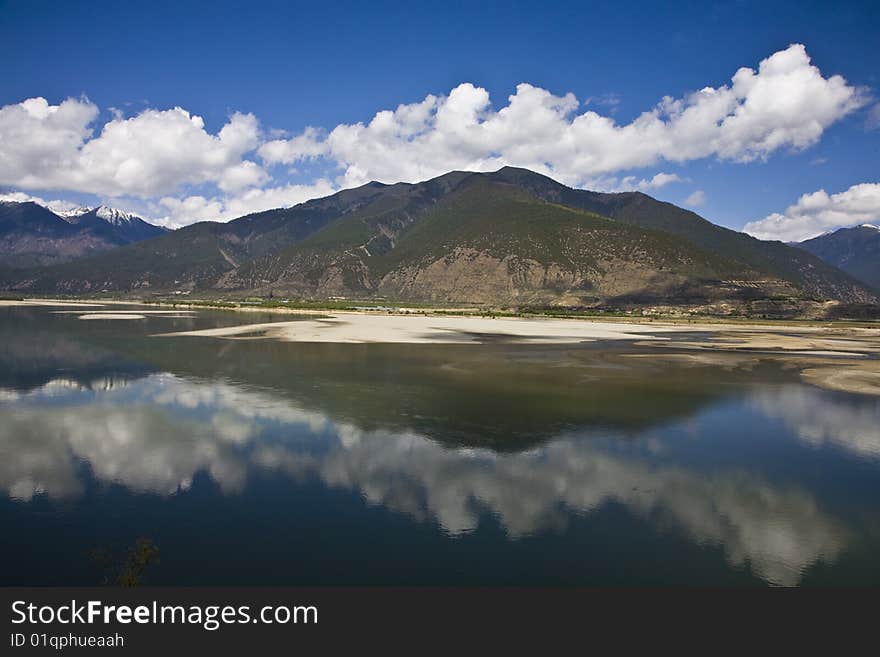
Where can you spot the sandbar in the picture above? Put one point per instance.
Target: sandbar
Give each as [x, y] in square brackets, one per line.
[408, 329]
[835, 357]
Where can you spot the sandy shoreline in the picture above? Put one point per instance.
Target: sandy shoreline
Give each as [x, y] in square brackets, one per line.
[11, 303]
[368, 326]
[104, 316]
[353, 327]
[418, 329]
[832, 356]
[836, 358]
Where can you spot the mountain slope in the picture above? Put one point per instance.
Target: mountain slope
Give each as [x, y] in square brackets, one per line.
[509, 237]
[853, 250]
[196, 256]
[484, 241]
[117, 226]
[191, 257]
[774, 259]
[31, 235]
[484, 248]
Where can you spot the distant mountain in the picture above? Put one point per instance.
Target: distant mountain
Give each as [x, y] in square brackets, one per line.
[512, 237]
[31, 235]
[122, 227]
[854, 250]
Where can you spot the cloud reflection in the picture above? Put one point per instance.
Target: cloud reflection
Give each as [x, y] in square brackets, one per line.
[821, 418]
[154, 434]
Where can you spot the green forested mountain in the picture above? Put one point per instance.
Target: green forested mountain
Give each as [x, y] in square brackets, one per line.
[508, 237]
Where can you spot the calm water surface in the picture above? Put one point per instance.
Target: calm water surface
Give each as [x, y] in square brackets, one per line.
[257, 462]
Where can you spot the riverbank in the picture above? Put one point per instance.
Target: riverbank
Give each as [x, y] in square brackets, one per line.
[835, 355]
[337, 308]
[841, 358]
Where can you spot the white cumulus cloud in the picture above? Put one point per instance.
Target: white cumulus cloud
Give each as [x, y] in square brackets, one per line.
[632, 183]
[176, 212]
[785, 103]
[820, 212]
[39, 140]
[54, 205]
[45, 146]
[696, 199]
[659, 180]
[168, 161]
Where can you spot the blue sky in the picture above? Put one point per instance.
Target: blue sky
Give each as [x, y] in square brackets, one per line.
[293, 65]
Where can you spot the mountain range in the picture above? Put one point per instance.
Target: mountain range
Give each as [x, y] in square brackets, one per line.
[511, 237]
[32, 235]
[854, 250]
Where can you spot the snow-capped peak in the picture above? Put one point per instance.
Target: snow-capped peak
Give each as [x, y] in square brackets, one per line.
[110, 215]
[113, 216]
[871, 226]
[73, 213]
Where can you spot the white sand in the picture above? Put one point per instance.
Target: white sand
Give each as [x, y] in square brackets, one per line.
[407, 329]
[111, 316]
[351, 327]
[174, 313]
[48, 302]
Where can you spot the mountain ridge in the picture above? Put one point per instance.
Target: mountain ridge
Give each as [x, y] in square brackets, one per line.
[509, 237]
[855, 250]
[33, 235]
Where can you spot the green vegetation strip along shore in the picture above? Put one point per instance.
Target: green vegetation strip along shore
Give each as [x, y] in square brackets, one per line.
[255, 304]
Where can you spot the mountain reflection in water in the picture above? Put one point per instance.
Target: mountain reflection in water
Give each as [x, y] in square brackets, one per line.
[734, 471]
